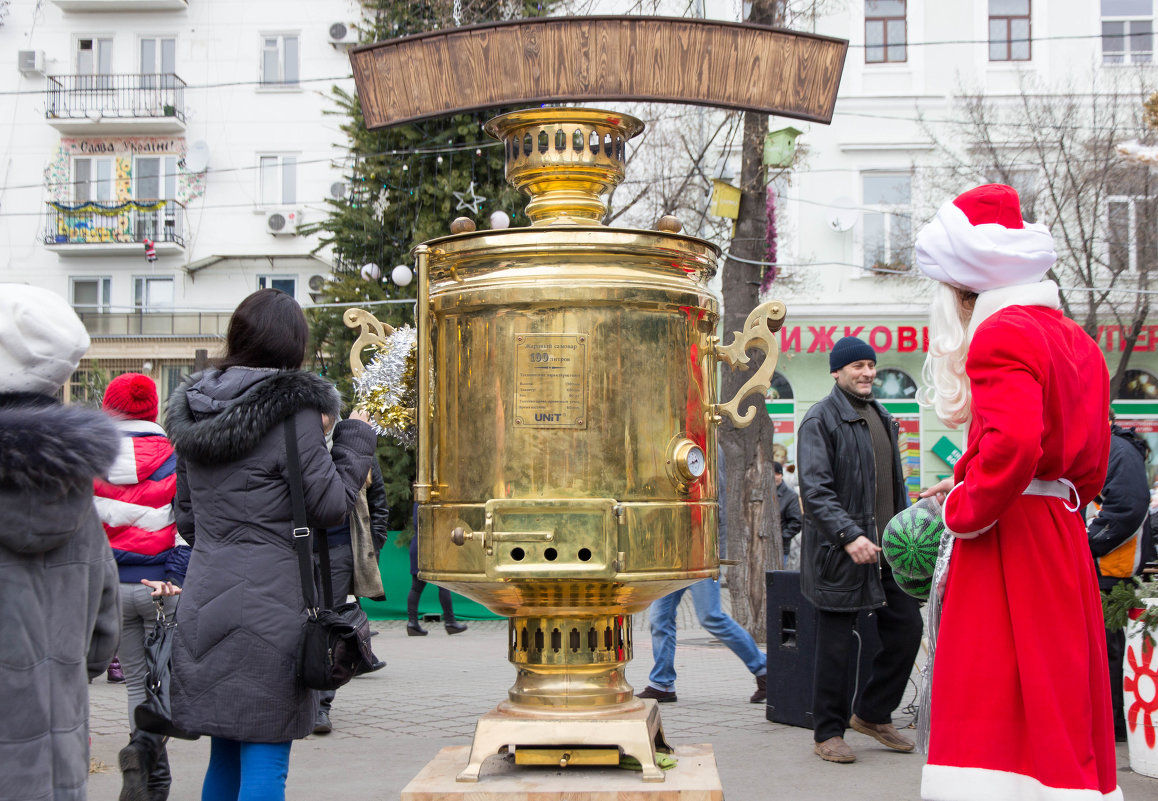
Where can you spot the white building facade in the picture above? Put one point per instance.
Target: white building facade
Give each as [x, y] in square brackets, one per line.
[159, 158]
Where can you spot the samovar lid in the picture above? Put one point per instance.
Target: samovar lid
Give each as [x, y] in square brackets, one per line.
[565, 158]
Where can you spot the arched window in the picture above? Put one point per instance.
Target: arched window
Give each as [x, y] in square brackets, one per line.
[781, 389]
[1138, 385]
[894, 384]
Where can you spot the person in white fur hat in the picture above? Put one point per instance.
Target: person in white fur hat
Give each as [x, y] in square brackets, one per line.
[1020, 706]
[58, 581]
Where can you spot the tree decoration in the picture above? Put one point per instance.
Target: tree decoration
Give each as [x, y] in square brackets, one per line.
[469, 199]
[387, 390]
[770, 237]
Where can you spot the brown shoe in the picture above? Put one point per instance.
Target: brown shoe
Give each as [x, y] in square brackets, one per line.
[884, 733]
[761, 694]
[834, 749]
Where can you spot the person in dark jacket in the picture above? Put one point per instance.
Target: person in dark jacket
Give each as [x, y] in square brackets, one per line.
[790, 518]
[58, 582]
[1119, 534]
[852, 484]
[240, 619]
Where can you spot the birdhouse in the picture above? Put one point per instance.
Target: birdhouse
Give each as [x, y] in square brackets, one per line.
[780, 146]
[725, 200]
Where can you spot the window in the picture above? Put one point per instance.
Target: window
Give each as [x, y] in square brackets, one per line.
[279, 60]
[279, 180]
[894, 384]
[884, 31]
[1139, 385]
[1127, 31]
[158, 62]
[887, 221]
[92, 179]
[1009, 30]
[91, 294]
[152, 294]
[94, 56]
[286, 283]
[155, 178]
[781, 389]
[1131, 233]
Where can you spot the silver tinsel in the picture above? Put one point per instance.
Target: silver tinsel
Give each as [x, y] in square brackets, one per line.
[386, 388]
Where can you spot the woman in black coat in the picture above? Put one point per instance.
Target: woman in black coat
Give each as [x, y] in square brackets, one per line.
[241, 614]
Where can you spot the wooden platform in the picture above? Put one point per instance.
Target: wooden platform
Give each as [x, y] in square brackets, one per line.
[695, 778]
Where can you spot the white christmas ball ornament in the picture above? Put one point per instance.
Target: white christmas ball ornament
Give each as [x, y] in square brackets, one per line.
[401, 275]
[500, 219]
[371, 272]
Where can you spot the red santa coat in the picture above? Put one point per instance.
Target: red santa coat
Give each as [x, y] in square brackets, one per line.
[1020, 698]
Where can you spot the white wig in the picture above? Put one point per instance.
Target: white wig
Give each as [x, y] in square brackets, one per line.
[946, 387]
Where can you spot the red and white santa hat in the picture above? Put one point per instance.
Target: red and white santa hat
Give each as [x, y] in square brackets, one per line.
[979, 242]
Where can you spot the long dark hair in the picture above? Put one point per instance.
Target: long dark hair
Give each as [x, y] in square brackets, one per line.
[268, 329]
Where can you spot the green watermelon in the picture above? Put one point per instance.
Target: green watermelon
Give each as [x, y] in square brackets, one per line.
[910, 544]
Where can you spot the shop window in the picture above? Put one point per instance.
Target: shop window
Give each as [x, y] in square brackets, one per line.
[91, 294]
[1138, 385]
[1009, 30]
[285, 283]
[887, 221]
[1127, 31]
[278, 175]
[279, 60]
[884, 31]
[894, 384]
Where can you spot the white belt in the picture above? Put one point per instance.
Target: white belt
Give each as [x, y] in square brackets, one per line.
[1061, 488]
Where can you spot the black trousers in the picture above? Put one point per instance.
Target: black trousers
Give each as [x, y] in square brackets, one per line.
[899, 627]
[1116, 652]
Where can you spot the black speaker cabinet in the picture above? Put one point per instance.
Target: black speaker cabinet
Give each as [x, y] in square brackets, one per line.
[792, 650]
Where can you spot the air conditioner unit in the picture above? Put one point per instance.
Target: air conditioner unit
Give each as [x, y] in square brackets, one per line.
[284, 222]
[338, 190]
[30, 62]
[343, 34]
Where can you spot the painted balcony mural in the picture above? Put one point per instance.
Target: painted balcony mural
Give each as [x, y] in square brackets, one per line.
[133, 221]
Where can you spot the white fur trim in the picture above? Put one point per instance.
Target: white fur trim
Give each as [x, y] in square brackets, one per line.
[1044, 293]
[962, 535]
[946, 783]
[952, 250]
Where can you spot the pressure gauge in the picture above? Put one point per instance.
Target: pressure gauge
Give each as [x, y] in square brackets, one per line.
[689, 460]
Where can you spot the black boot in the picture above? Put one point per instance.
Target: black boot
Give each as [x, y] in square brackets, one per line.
[134, 761]
[413, 629]
[159, 777]
[454, 627]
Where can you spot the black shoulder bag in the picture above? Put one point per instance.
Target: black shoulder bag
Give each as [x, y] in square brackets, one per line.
[335, 644]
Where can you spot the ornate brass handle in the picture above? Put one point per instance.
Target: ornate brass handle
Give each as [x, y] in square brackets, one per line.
[759, 331]
[373, 333]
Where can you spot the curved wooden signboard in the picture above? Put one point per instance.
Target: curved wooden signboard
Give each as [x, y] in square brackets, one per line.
[557, 59]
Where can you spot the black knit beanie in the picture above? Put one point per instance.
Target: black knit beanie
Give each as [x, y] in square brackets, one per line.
[848, 350]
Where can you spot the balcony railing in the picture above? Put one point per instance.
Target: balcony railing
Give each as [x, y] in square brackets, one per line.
[130, 222]
[117, 97]
[154, 323]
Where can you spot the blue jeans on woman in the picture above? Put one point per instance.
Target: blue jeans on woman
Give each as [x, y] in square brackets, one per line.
[706, 599]
[246, 771]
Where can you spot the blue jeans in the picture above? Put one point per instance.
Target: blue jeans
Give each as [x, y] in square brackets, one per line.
[246, 771]
[706, 599]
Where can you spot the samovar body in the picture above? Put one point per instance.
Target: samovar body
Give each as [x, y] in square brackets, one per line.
[567, 451]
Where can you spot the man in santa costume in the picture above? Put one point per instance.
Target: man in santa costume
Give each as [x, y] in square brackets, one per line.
[1020, 698]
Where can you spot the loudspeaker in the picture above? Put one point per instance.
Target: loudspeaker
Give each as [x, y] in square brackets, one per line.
[792, 650]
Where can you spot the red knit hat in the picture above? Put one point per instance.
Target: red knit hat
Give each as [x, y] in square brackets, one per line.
[132, 395]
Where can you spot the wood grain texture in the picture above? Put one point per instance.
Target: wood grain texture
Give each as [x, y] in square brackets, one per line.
[557, 59]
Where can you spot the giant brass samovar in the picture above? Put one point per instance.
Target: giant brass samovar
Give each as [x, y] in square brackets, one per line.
[567, 439]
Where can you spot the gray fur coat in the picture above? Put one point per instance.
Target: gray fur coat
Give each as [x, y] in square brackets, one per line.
[59, 616]
[241, 612]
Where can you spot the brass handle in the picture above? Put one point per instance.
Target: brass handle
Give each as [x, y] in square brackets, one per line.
[759, 331]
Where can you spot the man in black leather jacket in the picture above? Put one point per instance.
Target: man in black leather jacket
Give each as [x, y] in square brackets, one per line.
[851, 484]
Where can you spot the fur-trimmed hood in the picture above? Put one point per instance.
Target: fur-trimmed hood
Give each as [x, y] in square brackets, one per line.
[48, 448]
[220, 416]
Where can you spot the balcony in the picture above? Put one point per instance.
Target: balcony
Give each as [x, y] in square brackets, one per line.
[93, 6]
[154, 324]
[91, 105]
[113, 229]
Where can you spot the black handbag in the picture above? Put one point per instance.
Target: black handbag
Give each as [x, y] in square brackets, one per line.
[154, 714]
[335, 644]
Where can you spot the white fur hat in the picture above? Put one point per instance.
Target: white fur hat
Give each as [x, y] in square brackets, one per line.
[979, 242]
[41, 340]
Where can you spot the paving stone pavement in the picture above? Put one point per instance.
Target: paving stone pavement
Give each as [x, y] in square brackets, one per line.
[389, 724]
